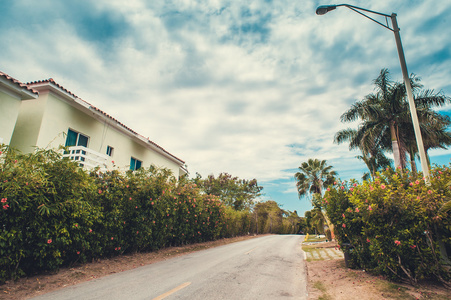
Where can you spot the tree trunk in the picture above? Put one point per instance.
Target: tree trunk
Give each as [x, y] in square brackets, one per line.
[395, 146]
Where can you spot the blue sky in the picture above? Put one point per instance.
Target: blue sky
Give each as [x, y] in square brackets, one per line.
[252, 88]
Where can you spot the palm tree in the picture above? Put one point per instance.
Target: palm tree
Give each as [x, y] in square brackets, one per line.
[370, 146]
[386, 121]
[313, 175]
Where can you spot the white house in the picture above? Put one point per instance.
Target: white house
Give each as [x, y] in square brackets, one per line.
[59, 117]
[12, 92]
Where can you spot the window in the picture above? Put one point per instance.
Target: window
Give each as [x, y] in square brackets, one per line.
[135, 164]
[76, 139]
[109, 150]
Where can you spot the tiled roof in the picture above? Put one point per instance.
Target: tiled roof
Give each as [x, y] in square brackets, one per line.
[18, 83]
[50, 80]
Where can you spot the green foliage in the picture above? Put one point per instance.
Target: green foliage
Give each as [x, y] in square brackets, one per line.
[232, 191]
[394, 223]
[54, 214]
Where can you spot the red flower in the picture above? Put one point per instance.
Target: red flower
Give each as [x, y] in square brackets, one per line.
[397, 243]
[343, 215]
[5, 207]
[4, 200]
[112, 238]
[368, 240]
[49, 241]
[413, 246]
[344, 225]
[78, 252]
[90, 230]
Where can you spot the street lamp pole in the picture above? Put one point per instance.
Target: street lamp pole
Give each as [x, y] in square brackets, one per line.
[321, 10]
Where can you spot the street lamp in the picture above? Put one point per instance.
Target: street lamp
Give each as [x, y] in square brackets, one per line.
[323, 9]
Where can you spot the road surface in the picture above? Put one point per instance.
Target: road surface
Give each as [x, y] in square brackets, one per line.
[269, 267]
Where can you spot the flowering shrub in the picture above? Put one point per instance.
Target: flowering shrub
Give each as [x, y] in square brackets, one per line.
[393, 224]
[53, 213]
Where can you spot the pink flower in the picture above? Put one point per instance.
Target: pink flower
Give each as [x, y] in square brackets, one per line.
[78, 252]
[90, 230]
[49, 241]
[151, 203]
[4, 200]
[413, 246]
[355, 184]
[126, 186]
[130, 198]
[351, 189]
[368, 240]
[112, 238]
[342, 187]
[417, 182]
[369, 208]
[137, 232]
[343, 215]
[76, 225]
[397, 243]
[100, 191]
[429, 192]
[344, 225]
[335, 182]
[411, 184]
[328, 189]
[382, 186]
[5, 207]
[357, 210]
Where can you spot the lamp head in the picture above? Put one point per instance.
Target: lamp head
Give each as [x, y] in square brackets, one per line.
[323, 9]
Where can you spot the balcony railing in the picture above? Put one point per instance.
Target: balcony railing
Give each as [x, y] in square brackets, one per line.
[87, 158]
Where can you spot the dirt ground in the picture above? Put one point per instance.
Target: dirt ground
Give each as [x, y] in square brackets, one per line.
[330, 279]
[327, 279]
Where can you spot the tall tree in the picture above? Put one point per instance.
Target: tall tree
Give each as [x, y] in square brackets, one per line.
[312, 176]
[232, 191]
[386, 121]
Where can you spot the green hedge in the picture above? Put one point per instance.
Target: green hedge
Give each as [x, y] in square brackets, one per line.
[392, 225]
[53, 213]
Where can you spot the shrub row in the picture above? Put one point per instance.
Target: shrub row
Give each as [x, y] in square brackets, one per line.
[53, 213]
[393, 225]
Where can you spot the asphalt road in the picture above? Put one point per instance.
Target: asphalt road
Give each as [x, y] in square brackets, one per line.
[269, 267]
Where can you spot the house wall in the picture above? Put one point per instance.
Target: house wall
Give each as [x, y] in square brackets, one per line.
[57, 116]
[28, 125]
[9, 110]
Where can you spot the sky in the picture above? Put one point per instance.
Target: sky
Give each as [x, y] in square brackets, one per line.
[251, 88]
